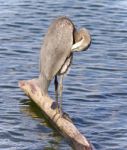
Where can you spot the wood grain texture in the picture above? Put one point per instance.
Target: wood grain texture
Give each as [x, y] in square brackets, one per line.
[64, 126]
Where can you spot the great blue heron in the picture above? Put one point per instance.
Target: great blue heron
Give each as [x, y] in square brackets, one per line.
[61, 40]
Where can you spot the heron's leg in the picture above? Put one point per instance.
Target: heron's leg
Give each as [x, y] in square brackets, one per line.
[61, 92]
[56, 90]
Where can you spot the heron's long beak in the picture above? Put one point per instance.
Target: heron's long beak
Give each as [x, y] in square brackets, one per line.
[82, 39]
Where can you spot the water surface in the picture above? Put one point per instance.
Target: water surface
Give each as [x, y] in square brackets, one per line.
[95, 89]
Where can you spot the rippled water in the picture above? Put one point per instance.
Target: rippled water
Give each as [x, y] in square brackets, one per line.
[95, 89]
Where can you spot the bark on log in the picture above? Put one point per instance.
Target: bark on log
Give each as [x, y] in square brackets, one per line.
[64, 126]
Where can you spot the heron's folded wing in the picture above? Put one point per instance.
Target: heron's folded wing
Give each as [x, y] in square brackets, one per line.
[56, 47]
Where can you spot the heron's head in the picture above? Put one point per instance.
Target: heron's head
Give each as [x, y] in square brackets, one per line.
[82, 40]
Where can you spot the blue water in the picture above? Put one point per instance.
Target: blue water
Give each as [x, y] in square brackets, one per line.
[95, 89]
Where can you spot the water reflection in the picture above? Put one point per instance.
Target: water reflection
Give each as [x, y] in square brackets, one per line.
[32, 110]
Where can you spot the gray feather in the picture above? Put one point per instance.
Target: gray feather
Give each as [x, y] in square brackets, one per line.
[56, 46]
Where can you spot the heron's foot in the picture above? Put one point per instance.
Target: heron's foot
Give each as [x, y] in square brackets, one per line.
[66, 116]
[63, 114]
[59, 111]
[56, 106]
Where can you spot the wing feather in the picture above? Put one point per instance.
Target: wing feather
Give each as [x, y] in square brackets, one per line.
[56, 47]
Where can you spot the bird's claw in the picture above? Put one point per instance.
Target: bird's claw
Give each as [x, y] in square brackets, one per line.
[60, 112]
[66, 116]
[63, 115]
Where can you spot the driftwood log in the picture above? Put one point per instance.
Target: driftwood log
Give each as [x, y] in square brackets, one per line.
[65, 127]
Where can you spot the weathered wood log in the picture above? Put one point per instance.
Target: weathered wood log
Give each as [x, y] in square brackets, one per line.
[65, 127]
